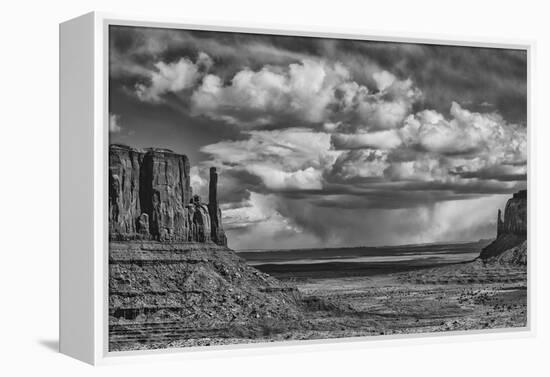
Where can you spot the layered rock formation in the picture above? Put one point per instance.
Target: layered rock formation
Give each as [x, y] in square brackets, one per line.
[512, 230]
[161, 292]
[150, 198]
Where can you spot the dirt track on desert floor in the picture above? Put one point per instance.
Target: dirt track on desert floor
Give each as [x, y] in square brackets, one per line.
[460, 297]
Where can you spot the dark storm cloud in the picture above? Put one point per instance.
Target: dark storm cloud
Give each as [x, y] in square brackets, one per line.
[480, 78]
[326, 141]
[492, 174]
[133, 49]
[235, 184]
[374, 193]
[477, 77]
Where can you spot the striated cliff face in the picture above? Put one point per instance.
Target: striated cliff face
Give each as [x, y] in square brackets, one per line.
[512, 230]
[150, 198]
[165, 192]
[124, 190]
[515, 214]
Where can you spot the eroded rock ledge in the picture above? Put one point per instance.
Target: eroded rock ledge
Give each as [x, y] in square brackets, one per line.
[150, 198]
[512, 230]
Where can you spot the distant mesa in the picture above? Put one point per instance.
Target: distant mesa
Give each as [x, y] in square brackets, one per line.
[150, 198]
[511, 230]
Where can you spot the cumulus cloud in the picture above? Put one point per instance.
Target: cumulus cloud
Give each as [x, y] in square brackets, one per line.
[274, 178]
[114, 123]
[387, 108]
[293, 158]
[423, 168]
[304, 90]
[313, 91]
[482, 136]
[199, 183]
[388, 139]
[364, 163]
[172, 77]
[468, 147]
[467, 153]
[465, 133]
[384, 79]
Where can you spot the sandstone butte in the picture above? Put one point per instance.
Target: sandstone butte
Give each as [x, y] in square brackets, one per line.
[150, 198]
[511, 231]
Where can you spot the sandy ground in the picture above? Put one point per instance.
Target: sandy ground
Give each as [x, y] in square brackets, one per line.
[457, 297]
[450, 298]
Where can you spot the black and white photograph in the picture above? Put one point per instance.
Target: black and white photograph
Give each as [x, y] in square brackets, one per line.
[295, 188]
[270, 188]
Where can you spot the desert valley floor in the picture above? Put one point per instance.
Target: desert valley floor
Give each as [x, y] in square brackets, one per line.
[362, 299]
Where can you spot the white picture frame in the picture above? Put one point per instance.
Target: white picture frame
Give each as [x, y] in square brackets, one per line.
[84, 195]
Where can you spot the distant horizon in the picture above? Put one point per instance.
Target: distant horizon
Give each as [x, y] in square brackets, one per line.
[371, 246]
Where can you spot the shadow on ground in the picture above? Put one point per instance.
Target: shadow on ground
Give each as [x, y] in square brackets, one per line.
[52, 345]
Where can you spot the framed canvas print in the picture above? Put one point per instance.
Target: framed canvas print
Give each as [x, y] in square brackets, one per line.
[225, 187]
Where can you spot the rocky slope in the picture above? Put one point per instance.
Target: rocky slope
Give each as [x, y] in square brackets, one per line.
[516, 255]
[200, 290]
[511, 231]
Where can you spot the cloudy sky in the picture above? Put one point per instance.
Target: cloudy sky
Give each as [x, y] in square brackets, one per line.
[326, 142]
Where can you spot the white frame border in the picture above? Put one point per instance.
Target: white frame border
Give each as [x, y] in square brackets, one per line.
[101, 353]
